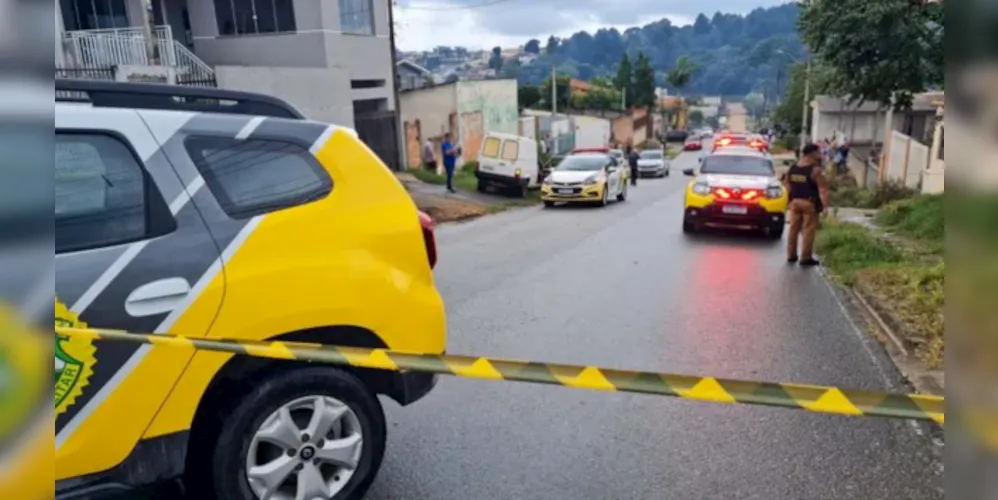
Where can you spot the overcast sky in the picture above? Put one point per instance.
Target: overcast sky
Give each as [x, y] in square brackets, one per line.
[424, 24]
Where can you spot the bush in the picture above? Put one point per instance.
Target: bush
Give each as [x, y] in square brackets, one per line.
[919, 217]
[888, 192]
[788, 142]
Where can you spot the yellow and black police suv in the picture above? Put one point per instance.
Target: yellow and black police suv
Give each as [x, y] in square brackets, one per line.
[244, 221]
[735, 187]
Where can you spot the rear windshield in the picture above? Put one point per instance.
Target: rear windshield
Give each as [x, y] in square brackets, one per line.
[584, 162]
[651, 155]
[737, 165]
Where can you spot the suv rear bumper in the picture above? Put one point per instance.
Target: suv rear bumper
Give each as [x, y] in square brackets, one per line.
[413, 386]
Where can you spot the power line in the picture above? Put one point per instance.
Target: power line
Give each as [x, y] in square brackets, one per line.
[465, 7]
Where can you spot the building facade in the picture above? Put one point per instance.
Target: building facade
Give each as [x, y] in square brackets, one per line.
[332, 59]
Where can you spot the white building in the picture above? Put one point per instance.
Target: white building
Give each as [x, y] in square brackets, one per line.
[332, 58]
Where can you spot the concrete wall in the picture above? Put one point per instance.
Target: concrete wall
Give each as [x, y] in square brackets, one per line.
[314, 91]
[496, 100]
[432, 106]
[623, 130]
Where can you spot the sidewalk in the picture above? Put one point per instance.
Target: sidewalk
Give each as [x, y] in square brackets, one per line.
[444, 206]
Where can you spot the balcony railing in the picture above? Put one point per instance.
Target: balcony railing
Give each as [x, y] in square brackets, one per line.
[104, 48]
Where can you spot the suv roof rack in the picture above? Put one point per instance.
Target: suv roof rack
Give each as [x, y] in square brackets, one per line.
[172, 97]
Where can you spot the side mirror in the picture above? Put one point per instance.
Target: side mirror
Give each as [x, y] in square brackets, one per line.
[688, 172]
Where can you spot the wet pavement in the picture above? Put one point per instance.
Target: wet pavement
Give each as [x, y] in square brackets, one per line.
[622, 287]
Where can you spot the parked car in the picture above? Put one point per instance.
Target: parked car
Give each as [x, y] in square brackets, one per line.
[178, 215]
[508, 161]
[653, 163]
[676, 136]
[586, 177]
[694, 144]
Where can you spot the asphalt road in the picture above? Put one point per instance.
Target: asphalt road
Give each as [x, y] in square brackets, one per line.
[622, 287]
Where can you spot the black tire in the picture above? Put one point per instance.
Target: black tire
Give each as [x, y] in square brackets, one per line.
[548, 204]
[521, 191]
[775, 232]
[623, 193]
[482, 187]
[689, 227]
[227, 478]
[666, 174]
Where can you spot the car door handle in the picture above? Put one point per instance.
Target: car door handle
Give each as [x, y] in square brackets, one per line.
[158, 297]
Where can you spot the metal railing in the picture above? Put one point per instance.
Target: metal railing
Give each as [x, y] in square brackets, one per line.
[127, 46]
[106, 73]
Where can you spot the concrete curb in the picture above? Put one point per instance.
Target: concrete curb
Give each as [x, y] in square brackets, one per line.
[924, 380]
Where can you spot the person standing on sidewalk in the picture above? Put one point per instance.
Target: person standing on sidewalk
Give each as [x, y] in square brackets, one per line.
[429, 159]
[808, 190]
[450, 161]
[632, 161]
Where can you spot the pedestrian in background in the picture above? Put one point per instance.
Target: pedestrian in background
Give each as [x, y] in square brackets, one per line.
[450, 160]
[808, 191]
[632, 161]
[429, 159]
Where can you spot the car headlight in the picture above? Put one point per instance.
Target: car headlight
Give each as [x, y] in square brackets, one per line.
[547, 181]
[773, 192]
[593, 180]
[701, 188]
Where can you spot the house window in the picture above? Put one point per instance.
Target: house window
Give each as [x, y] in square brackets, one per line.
[357, 17]
[250, 17]
[93, 14]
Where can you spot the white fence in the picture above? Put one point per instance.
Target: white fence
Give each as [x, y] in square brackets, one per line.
[907, 160]
[107, 48]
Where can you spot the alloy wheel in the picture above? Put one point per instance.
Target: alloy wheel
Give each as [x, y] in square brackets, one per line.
[306, 449]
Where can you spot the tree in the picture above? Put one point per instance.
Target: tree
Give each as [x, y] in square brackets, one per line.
[643, 83]
[884, 51]
[495, 61]
[511, 68]
[533, 46]
[702, 25]
[681, 74]
[625, 78]
[528, 96]
[696, 118]
[551, 49]
[788, 114]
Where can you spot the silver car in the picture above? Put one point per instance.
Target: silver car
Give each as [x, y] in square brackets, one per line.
[653, 163]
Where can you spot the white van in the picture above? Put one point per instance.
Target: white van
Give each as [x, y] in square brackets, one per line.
[508, 161]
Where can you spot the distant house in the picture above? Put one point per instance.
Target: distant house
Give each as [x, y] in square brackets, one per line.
[412, 76]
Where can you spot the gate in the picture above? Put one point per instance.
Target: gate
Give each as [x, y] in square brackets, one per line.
[378, 129]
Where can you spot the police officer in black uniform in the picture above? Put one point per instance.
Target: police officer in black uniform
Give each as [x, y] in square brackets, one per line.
[808, 188]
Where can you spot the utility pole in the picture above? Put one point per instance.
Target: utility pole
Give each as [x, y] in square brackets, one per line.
[554, 91]
[399, 124]
[807, 106]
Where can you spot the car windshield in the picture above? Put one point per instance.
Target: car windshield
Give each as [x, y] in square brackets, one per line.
[651, 155]
[583, 163]
[616, 153]
[737, 165]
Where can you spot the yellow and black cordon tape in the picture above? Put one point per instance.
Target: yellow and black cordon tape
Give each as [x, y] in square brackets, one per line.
[718, 390]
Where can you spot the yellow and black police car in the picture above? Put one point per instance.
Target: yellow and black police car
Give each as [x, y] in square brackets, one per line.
[735, 187]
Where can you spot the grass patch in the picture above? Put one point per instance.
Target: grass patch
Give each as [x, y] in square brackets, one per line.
[846, 248]
[920, 218]
[464, 178]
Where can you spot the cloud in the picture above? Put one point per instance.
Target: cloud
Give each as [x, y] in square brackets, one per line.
[423, 24]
